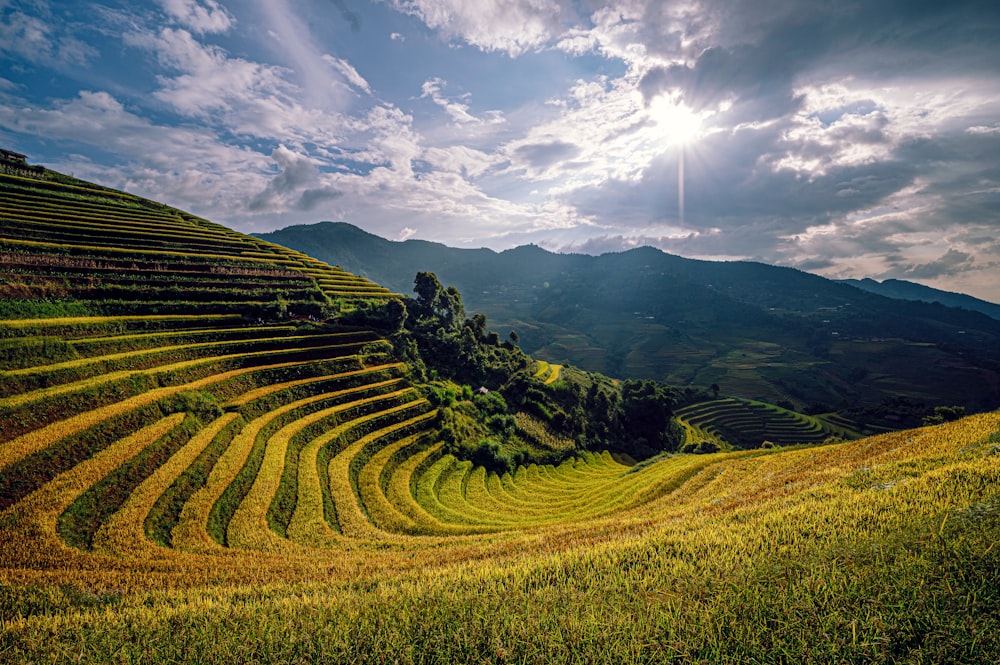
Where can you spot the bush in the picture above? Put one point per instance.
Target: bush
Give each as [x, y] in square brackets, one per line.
[702, 447]
[489, 455]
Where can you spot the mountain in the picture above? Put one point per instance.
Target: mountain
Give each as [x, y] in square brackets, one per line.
[903, 290]
[758, 331]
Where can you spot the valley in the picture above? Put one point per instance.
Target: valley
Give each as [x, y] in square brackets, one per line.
[759, 332]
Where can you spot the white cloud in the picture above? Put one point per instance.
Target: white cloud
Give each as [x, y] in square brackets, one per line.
[512, 26]
[39, 39]
[201, 16]
[186, 166]
[209, 81]
[604, 131]
[467, 162]
[323, 81]
[244, 97]
[348, 72]
[458, 111]
[983, 129]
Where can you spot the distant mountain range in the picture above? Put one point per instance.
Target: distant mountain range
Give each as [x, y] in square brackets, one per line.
[903, 290]
[758, 331]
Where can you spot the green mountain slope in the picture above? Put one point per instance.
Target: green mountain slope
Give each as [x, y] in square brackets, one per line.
[757, 331]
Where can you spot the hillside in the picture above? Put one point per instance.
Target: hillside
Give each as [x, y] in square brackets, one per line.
[201, 461]
[904, 290]
[759, 332]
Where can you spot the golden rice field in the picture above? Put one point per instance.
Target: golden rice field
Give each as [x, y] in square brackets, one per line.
[547, 372]
[188, 485]
[299, 510]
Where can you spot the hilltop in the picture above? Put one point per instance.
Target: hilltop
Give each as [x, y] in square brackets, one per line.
[214, 449]
[904, 290]
[759, 332]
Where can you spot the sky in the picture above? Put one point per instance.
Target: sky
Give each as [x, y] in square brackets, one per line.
[856, 138]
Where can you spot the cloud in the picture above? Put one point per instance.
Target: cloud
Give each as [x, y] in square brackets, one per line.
[467, 162]
[510, 26]
[238, 95]
[852, 139]
[606, 244]
[323, 81]
[208, 80]
[458, 111]
[543, 155]
[349, 73]
[187, 166]
[201, 16]
[951, 263]
[983, 129]
[41, 38]
[297, 173]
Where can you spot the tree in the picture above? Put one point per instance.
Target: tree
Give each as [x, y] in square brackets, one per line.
[428, 290]
[514, 339]
[944, 414]
[436, 306]
[647, 410]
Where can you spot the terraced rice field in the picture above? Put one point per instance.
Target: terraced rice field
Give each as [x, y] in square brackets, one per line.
[749, 423]
[269, 453]
[314, 519]
[197, 485]
[142, 255]
[547, 372]
[214, 452]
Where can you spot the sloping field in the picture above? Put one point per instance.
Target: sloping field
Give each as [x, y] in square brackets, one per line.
[746, 423]
[198, 485]
[262, 538]
[547, 372]
[94, 244]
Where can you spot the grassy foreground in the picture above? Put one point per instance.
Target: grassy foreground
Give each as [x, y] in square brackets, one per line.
[878, 550]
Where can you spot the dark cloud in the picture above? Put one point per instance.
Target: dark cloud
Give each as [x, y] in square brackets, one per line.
[755, 54]
[311, 198]
[733, 180]
[543, 155]
[297, 173]
[952, 263]
[797, 143]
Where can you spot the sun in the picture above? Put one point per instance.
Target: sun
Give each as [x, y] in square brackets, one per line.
[676, 123]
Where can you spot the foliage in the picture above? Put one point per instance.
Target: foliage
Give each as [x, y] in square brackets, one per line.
[944, 414]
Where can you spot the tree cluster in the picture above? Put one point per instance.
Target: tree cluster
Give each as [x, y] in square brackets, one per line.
[479, 382]
[434, 335]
